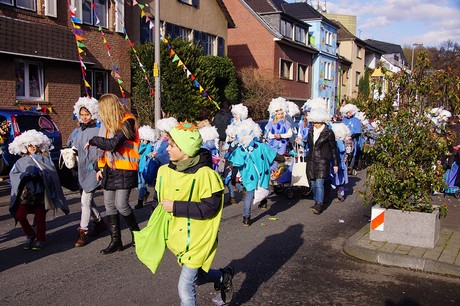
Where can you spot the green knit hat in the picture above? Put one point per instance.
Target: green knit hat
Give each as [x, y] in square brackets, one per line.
[187, 138]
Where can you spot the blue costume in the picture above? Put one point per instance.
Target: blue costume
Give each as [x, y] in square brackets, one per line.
[355, 126]
[282, 127]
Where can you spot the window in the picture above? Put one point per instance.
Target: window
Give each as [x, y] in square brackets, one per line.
[29, 80]
[207, 41]
[51, 8]
[327, 71]
[286, 29]
[85, 12]
[174, 31]
[99, 82]
[286, 70]
[302, 73]
[359, 50]
[194, 3]
[358, 75]
[23, 4]
[300, 34]
[328, 38]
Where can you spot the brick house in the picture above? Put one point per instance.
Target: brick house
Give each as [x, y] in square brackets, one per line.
[272, 42]
[39, 56]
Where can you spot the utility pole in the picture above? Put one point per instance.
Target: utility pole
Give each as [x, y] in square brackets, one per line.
[156, 65]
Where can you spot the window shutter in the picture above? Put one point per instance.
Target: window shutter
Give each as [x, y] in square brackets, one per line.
[120, 16]
[51, 8]
[196, 3]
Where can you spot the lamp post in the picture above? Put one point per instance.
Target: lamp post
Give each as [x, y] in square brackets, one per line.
[156, 69]
[413, 48]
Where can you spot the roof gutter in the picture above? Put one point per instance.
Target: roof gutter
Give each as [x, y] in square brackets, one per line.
[45, 57]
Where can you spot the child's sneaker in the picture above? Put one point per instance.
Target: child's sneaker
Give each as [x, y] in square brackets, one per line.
[29, 242]
[38, 245]
[226, 288]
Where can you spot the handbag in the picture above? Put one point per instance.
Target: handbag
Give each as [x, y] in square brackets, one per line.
[299, 170]
[260, 194]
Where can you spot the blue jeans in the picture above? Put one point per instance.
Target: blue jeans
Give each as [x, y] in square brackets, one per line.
[189, 278]
[231, 190]
[248, 202]
[141, 186]
[317, 186]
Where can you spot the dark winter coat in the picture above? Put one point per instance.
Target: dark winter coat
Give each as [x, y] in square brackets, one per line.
[221, 120]
[114, 179]
[321, 153]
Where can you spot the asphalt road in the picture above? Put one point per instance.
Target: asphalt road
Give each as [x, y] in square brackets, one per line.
[295, 260]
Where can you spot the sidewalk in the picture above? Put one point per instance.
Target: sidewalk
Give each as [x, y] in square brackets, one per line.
[444, 258]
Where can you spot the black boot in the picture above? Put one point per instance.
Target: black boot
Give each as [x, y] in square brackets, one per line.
[132, 224]
[115, 244]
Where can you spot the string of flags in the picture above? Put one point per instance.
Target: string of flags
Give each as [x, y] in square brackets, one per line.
[175, 58]
[115, 69]
[44, 109]
[131, 44]
[78, 33]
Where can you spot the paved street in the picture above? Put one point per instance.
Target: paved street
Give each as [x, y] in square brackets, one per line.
[295, 260]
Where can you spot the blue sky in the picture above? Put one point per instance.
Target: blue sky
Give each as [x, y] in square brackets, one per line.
[402, 22]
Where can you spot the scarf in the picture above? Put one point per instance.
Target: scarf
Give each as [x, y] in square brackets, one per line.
[183, 165]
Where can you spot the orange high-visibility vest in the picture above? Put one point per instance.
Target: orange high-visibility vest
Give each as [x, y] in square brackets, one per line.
[126, 157]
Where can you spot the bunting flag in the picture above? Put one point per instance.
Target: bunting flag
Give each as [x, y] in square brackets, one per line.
[78, 33]
[115, 71]
[131, 44]
[175, 57]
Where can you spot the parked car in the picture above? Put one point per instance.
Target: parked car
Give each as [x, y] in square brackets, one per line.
[14, 122]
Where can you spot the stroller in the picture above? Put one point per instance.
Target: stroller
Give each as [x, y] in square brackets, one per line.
[450, 177]
[281, 177]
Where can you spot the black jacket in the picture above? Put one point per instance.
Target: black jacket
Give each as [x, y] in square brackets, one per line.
[321, 153]
[113, 179]
[221, 120]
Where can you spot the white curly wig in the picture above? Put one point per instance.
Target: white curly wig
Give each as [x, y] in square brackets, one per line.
[293, 109]
[439, 115]
[349, 108]
[166, 124]
[209, 133]
[90, 104]
[246, 131]
[341, 131]
[240, 110]
[314, 103]
[319, 115]
[30, 137]
[231, 130]
[146, 132]
[277, 104]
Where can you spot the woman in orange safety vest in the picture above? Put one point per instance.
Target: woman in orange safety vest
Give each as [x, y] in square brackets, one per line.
[117, 166]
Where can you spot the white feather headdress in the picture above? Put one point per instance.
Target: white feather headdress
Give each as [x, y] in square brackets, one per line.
[349, 108]
[277, 104]
[240, 110]
[90, 104]
[319, 115]
[314, 103]
[341, 131]
[209, 133]
[146, 132]
[30, 137]
[166, 124]
[293, 109]
[246, 131]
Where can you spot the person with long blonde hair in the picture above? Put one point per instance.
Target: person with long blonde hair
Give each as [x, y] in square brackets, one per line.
[117, 166]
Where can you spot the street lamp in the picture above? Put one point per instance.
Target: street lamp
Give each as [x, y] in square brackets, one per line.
[413, 48]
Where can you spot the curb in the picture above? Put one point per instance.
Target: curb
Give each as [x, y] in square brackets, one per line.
[398, 260]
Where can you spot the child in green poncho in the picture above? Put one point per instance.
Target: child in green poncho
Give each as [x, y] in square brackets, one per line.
[187, 219]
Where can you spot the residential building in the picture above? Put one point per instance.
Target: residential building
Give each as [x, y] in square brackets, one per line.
[322, 36]
[39, 57]
[205, 22]
[274, 43]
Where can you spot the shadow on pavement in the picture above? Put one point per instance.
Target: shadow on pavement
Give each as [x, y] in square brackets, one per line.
[270, 255]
